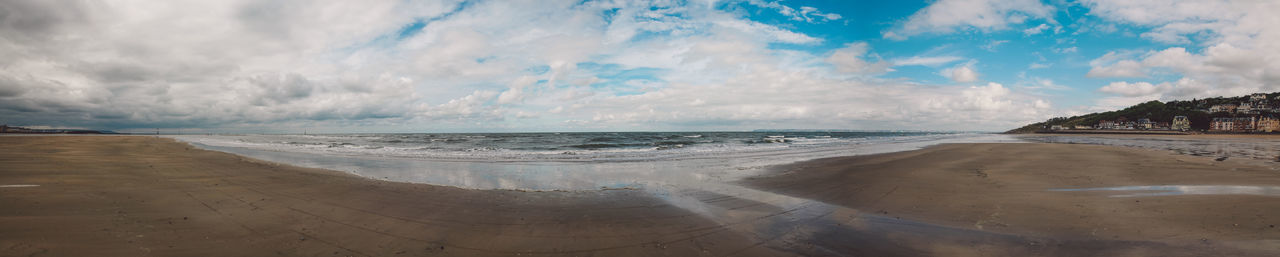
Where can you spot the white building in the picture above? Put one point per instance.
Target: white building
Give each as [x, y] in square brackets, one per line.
[1257, 97]
[1229, 108]
[1245, 108]
[1181, 123]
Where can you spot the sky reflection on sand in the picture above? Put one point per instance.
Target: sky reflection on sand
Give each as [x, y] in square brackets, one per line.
[700, 185]
[704, 187]
[1171, 190]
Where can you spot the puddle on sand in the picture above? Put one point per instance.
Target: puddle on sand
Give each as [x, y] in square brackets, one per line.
[1170, 190]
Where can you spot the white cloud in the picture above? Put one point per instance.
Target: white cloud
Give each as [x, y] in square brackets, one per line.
[1119, 69]
[1116, 65]
[402, 65]
[1130, 89]
[926, 60]
[805, 14]
[1235, 45]
[850, 60]
[962, 74]
[1129, 93]
[767, 31]
[1043, 83]
[946, 16]
[991, 46]
[1035, 30]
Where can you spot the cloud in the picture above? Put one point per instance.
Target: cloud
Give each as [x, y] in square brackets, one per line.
[1119, 69]
[926, 60]
[850, 60]
[774, 33]
[805, 14]
[444, 66]
[1230, 47]
[1129, 93]
[1043, 83]
[1116, 65]
[1130, 89]
[993, 44]
[961, 74]
[946, 16]
[1035, 30]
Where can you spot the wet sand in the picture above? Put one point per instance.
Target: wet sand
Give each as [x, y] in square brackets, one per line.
[138, 196]
[1188, 136]
[1006, 188]
[141, 196]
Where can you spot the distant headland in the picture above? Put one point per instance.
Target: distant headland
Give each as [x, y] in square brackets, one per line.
[6, 129]
[1254, 113]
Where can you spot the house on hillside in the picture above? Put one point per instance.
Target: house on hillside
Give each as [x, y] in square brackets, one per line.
[1256, 97]
[1228, 108]
[1245, 108]
[1233, 124]
[1180, 123]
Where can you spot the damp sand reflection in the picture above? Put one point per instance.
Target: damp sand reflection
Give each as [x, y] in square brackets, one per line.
[1173, 190]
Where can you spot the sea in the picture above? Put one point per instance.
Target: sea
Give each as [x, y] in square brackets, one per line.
[570, 161]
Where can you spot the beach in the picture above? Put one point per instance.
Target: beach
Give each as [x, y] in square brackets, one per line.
[140, 196]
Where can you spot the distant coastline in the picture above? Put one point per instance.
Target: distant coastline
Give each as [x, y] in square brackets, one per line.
[1257, 113]
[6, 129]
[1115, 132]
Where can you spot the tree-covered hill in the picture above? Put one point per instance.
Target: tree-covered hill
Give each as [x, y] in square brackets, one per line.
[1155, 110]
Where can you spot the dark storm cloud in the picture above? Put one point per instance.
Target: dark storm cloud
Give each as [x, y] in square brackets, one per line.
[10, 87]
[35, 20]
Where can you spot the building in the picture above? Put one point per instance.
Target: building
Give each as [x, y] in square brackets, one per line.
[1145, 123]
[1268, 124]
[1083, 127]
[1236, 124]
[1180, 123]
[1229, 108]
[1263, 107]
[1257, 97]
[1245, 108]
[1057, 127]
[1106, 124]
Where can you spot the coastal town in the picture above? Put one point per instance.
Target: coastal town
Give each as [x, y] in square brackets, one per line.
[6, 129]
[1258, 113]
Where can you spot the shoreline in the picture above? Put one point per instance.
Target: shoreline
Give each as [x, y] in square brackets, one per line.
[1009, 188]
[139, 195]
[1195, 135]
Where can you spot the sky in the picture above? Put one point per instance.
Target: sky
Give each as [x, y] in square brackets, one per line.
[536, 66]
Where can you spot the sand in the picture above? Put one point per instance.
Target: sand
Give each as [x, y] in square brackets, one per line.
[146, 196]
[1006, 188]
[139, 196]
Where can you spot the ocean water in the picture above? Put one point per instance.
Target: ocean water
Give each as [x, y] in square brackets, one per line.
[569, 161]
